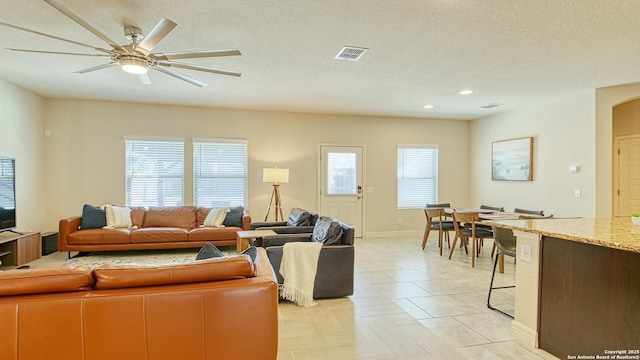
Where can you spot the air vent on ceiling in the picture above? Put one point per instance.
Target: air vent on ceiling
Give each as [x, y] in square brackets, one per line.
[351, 53]
[490, 106]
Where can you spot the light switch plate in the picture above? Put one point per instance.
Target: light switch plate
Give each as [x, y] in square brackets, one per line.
[525, 253]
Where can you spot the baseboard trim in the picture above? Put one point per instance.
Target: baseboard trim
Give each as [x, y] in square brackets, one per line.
[398, 233]
[525, 334]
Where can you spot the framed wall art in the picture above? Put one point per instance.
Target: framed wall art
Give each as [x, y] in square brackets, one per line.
[511, 160]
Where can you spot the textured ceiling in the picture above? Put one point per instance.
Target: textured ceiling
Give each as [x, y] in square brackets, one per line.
[421, 52]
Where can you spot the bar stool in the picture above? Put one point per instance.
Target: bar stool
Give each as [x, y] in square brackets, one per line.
[506, 243]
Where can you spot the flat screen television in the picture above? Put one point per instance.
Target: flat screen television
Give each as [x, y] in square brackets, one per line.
[7, 194]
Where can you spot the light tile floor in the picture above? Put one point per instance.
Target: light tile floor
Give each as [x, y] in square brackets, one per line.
[408, 304]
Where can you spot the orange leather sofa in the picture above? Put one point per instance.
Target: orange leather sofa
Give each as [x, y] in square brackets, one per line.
[153, 228]
[221, 308]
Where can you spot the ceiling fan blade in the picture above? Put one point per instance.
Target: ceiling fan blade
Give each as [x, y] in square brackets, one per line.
[54, 37]
[99, 67]
[59, 53]
[196, 54]
[156, 35]
[144, 79]
[200, 68]
[179, 76]
[84, 24]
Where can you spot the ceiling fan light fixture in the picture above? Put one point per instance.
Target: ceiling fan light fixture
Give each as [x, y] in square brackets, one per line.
[134, 65]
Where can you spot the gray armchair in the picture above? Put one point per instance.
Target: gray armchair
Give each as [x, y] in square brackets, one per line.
[335, 272]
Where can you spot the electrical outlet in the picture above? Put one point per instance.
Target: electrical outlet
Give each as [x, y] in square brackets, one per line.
[577, 193]
[399, 221]
[525, 253]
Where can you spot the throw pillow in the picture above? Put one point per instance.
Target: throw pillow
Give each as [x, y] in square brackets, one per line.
[327, 231]
[93, 217]
[118, 217]
[215, 218]
[299, 217]
[234, 217]
[208, 251]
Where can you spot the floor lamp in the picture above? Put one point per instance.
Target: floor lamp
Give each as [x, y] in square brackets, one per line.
[275, 176]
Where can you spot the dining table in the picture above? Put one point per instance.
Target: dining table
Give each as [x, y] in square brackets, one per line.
[490, 215]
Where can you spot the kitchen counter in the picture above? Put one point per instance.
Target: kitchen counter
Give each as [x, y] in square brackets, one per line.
[577, 285]
[615, 233]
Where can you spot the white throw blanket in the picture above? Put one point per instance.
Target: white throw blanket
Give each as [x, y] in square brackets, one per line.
[298, 268]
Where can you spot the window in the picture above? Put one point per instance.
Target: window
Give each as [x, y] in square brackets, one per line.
[219, 173]
[155, 173]
[417, 176]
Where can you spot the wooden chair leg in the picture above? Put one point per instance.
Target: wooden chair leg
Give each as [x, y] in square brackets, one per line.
[473, 248]
[453, 247]
[425, 237]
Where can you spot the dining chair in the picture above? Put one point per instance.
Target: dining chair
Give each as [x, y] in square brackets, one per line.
[506, 243]
[441, 205]
[494, 208]
[488, 227]
[435, 222]
[529, 212]
[465, 233]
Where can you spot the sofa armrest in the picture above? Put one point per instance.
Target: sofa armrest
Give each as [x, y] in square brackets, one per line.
[262, 224]
[246, 220]
[281, 239]
[335, 272]
[66, 227]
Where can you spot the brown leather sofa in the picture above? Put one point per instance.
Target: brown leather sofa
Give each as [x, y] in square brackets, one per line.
[221, 308]
[153, 228]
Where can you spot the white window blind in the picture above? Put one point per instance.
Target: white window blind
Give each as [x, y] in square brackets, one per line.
[155, 173]
[417, 176]
[220, 173]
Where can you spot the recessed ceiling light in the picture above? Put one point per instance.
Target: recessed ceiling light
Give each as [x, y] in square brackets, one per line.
[466, 92]
[428, 106]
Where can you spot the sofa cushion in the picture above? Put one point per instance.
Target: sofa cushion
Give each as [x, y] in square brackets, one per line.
[173, 216]
[93, 217]
[159, 235]
[299, 217]
[99, 236]
[327, 231]
[118, 217]
[137, 216]
[113, 276]
[48, 280]
[213, 234]
[234, 217]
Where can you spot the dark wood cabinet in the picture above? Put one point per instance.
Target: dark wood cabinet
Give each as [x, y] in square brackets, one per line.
[589, 299]
[17, 250]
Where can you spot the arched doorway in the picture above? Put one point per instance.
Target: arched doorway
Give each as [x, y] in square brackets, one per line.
[626, 158]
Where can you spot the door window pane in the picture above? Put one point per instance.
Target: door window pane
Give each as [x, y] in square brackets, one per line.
[341, 174]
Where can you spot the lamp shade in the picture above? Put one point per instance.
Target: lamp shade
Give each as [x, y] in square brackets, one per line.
[275, 175]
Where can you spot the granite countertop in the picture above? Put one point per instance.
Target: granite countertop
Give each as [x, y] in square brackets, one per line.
[616, 233]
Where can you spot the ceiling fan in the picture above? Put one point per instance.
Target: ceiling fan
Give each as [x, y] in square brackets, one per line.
[136, 57]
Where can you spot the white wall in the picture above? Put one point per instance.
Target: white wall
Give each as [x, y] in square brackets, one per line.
[563, 132]
[85, 154]
[22, 138]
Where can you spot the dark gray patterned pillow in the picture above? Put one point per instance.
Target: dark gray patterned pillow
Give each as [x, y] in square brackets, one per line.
[299, 217]
[327, 231]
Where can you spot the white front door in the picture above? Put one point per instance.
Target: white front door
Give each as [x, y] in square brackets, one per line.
[341, 184]
[628, 176]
